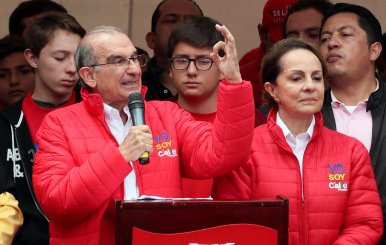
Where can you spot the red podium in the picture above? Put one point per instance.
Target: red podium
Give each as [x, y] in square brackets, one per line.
[196, 222]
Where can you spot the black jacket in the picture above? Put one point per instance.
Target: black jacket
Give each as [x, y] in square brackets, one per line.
[152, 80]
[16, 158]
[17, 153]
[377, 105]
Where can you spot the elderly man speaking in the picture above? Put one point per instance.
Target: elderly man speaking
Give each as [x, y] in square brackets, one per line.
[88, 153]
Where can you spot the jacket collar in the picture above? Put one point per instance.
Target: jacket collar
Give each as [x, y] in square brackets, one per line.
[277, 133]
[377, 96]
[12, 112]
[94, 102]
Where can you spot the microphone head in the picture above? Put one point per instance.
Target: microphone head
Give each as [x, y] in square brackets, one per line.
[135, 101]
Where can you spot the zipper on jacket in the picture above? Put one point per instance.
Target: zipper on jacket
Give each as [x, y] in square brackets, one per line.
[303, 209]
[303, 225]
[302, 232]
[28, 182]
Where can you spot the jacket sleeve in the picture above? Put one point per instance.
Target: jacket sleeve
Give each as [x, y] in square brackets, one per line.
[363, 222]
[69, 191]
[235, 185]
[209, 151]
[11, 217]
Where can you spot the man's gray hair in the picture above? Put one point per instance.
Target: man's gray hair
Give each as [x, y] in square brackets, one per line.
[85, 56]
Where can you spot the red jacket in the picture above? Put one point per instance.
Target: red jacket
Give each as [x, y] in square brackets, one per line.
[79, 172]
[341, 204]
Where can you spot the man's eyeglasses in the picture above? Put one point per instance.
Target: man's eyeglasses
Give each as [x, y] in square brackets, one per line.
[181, 63]
[124, 63]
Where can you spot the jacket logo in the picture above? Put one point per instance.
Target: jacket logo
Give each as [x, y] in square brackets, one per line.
[337, 177]
[14, 156]
[165, 145]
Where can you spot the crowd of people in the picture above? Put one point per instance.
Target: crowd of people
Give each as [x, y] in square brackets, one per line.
[302, 116]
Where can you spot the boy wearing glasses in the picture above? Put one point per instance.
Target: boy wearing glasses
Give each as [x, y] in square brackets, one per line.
[88, 153]
[51, 42]
[196, 78]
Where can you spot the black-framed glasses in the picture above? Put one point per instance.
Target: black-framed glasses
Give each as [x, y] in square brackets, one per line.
[124, 63]
[182, 63]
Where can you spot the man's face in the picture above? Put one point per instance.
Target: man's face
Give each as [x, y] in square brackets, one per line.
[16, 78]
[193, 84]
[172, 13]
[115, 83]
[344, 46]
[307, 31]
[56, 74]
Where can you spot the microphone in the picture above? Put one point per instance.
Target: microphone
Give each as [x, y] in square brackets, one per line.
[137, 112]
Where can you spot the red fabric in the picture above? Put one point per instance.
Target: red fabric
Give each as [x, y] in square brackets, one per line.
[204, 117]
[34, 113]
[79, 172]
[240, 234]
[199, 188]
[203, 188]
[249, 56]
[327, 215]
[274, 14]
[251, 72]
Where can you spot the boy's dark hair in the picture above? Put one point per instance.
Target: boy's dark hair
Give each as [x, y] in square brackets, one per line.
[30, 8]
[157, 13]
[11, 44]
[319, 5]
[41, 31]
[366, 20]
[198, 31]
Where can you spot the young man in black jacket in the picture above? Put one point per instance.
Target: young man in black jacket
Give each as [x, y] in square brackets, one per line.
[51, 43]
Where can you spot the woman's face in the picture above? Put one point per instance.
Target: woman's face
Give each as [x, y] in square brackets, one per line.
[299, 87]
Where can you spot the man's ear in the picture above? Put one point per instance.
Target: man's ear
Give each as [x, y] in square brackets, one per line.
[87, 75]
[31, 58]
[150, 40]
[375, 51]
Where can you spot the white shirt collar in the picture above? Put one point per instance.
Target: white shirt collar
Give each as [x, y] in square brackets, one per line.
[286, 131]
[112, 114]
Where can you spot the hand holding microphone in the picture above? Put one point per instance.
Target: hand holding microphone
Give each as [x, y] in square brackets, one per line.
[137, 112]
[139, 141]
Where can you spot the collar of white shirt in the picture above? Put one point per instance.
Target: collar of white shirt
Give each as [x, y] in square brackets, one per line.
[287, 132]
[112, 114]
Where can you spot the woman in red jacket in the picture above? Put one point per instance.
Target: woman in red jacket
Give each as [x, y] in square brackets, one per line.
[326, 176]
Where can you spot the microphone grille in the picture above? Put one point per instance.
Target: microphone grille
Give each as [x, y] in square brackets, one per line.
[135, 100]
